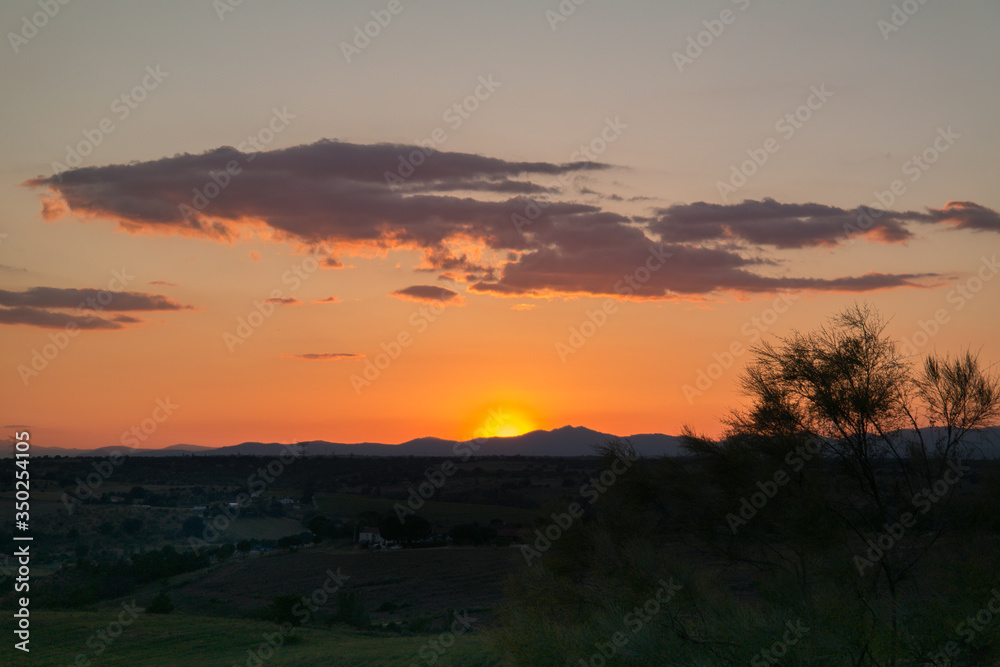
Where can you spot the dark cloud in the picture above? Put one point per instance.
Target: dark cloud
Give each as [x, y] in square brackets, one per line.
[347, 196]
[48, 319]
[162, 282]
[329, 299]
[444, 259]
[428, 294]
[965, 215]
[41, 306]
[283, 301]
[326, 191]
[325, 356]
[626, 263]
[612, 197]
[771, 223]
[501, 185]
[88, 298]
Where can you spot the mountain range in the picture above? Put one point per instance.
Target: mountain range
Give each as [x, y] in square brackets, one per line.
[565, 441]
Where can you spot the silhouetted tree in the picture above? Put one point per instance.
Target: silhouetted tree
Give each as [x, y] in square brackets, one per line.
[415, 528]
[777, 520]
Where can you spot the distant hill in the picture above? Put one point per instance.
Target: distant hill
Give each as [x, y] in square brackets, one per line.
[565, 441]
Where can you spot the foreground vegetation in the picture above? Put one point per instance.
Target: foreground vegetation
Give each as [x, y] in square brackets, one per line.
[825, 529]
[170, 640]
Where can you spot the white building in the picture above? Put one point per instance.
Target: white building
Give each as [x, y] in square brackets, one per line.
[370, 536]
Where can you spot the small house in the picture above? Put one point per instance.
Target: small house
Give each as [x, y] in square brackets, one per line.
[370, 536]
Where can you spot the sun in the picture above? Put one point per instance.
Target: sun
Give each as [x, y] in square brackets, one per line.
[504, 423]
[510, 430]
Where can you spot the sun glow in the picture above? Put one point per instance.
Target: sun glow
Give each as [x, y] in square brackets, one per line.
[504, 423]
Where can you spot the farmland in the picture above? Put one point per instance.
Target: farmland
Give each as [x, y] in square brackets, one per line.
[178, 639]
[225, 605]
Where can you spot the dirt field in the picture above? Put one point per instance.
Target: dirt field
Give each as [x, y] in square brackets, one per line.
[420, 582]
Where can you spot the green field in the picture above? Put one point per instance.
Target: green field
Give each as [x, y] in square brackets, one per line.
[58, 638]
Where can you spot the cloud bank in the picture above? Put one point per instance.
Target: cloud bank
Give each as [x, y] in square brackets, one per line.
[532, 238]
[44, 307]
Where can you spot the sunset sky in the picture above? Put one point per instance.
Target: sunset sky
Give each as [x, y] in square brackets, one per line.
[614, 197]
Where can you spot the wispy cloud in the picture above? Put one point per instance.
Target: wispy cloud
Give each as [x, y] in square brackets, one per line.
[325, 356]
[771, 223]
[428, 294]
[48, 319]
[966, 215]
[63, 297]
[43, 306]
[283, 301]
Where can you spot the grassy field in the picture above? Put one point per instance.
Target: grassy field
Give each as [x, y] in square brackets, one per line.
[58, 638]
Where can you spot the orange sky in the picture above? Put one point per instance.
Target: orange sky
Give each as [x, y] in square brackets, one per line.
[505, 320]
